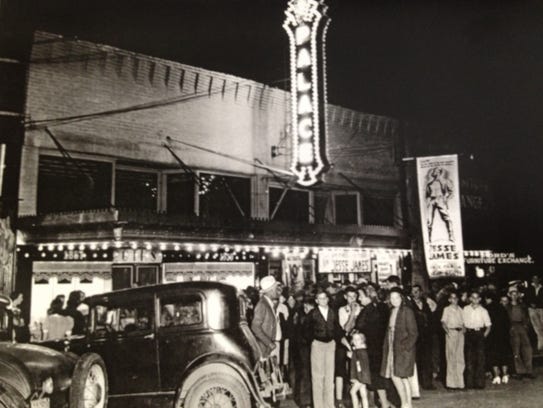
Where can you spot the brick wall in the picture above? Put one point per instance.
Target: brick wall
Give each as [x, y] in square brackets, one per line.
[228, 114]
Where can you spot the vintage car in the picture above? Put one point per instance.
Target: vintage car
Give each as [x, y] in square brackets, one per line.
[187, 343]
[34, 376]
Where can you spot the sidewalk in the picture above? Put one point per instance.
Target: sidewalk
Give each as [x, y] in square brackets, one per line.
[517, 394]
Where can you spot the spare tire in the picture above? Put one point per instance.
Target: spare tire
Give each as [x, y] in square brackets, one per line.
[89, 383]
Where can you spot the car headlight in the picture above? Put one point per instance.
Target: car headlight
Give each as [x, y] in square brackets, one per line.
[47, 386]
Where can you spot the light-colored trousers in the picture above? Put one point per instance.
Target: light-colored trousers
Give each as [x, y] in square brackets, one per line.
[536, 317]
[414, 383]
[454, 351]
[322, 373]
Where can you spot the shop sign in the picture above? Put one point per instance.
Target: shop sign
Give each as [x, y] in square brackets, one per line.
[306, 24]
[344, 261]
[227, 257]
[74, 255]
[383, 270]
[500, 258]
[293, 272]
[136, 256]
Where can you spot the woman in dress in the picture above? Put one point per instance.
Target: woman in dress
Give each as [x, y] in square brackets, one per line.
[372, 322]
[498, 349]
[399, 347]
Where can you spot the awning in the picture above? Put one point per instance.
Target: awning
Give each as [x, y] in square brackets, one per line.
[66, 270]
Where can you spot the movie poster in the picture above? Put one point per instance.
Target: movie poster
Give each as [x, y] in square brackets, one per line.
[439, 197]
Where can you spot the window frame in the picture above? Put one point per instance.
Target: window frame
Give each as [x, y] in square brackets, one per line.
[393, 199]
[359, 213]
[136, 169]
[224, 174]
[164, 194]
[46, 151]
[310, 200]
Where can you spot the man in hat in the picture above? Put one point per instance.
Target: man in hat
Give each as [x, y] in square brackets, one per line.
[264, 324]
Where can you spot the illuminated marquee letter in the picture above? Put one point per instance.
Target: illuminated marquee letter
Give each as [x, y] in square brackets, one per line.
[306, 24]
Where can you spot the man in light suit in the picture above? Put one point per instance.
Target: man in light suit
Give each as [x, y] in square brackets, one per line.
[264, 324]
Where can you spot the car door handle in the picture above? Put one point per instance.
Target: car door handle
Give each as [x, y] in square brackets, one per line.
[150, 336]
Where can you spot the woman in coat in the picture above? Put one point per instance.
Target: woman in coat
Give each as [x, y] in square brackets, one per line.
[372, 322]
[399, 347]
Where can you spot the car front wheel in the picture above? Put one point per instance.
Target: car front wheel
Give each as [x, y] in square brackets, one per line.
[218, 391]
[89, 383]
[10, 397]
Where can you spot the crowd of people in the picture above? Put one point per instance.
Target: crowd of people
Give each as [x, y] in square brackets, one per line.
[64, 317]
[386, 343]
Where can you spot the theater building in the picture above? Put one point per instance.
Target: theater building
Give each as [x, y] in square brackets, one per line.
[138, 170]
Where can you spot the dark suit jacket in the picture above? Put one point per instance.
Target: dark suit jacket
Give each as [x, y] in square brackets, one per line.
[325, 330]
[533, 299]
[403, 347]
[264, 326]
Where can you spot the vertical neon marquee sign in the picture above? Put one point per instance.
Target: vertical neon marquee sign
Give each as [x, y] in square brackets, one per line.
[306, 24]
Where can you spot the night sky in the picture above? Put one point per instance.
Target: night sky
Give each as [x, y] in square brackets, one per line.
[474, 68]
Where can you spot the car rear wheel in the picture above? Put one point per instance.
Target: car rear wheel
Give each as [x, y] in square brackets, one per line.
[218, 391]
[89, 383]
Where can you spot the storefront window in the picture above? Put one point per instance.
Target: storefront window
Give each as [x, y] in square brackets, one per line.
[136, 189]
[147, 275]
[220, 196]
[346, 208]
[294, 206]
[180, 194]
[378, 211]
[66, 186]
[121, 277]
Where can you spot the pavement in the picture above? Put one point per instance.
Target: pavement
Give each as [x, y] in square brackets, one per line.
[525, 393]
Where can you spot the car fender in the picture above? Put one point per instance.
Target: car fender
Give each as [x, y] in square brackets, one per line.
[214, 363]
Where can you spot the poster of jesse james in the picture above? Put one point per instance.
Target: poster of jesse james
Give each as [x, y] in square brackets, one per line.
[439, 197]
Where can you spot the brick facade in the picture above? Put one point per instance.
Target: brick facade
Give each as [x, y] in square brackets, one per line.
[234, 116]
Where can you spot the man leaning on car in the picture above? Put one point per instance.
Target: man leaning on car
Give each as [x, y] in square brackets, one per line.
[264, 324]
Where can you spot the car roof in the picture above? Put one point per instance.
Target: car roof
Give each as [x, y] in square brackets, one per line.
[161, 287]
